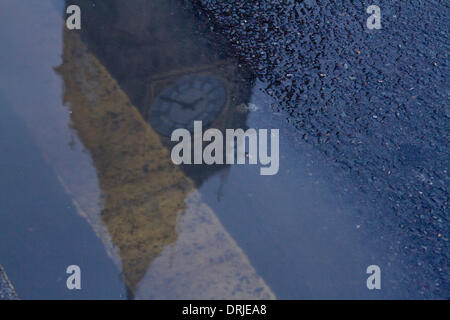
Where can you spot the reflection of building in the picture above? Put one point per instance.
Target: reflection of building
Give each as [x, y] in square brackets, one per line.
[142, 191]
[160, 56]
[160, 62]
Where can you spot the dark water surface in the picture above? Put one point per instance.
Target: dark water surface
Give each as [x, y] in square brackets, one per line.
[41, 232]
[87, 179]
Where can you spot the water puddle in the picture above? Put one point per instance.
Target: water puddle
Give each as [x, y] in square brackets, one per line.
[89, 115]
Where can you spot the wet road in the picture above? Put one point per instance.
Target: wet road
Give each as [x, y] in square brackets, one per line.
[375, 102]
[363, 179]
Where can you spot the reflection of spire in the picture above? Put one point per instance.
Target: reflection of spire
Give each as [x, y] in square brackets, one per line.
[143, 190]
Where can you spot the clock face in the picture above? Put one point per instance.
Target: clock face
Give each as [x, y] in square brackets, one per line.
[192, 98]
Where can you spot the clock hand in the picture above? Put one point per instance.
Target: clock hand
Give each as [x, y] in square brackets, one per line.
[181, 103]
[197, 101]
[185, 105]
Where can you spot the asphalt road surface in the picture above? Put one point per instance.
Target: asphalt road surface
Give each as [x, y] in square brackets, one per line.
[375, 102]
[363, 117]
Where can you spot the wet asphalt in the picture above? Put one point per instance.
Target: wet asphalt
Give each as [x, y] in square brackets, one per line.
[375, 103]
[364, 118]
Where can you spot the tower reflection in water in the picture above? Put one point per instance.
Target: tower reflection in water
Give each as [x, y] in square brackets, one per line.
[136, 71]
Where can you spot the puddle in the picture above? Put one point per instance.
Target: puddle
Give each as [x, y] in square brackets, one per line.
[95, 134]
[98, 107]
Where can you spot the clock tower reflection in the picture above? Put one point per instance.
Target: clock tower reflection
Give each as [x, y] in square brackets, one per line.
[172, 66]
[135, 72]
